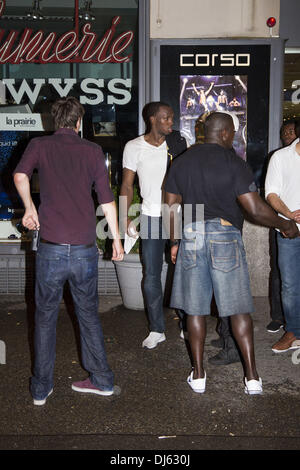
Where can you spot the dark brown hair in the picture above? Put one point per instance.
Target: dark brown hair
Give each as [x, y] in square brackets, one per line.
[66, 112]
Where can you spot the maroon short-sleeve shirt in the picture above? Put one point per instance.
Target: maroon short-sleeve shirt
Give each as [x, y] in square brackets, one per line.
[68, 166]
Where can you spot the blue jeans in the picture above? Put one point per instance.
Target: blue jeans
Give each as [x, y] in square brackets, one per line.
[54, 266]
[211, 259]
[289, 265]
[153, 247]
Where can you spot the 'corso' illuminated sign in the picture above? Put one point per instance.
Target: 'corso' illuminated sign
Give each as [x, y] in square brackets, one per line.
[211, 60]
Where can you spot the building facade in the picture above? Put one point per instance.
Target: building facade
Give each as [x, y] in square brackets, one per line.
[117, 55]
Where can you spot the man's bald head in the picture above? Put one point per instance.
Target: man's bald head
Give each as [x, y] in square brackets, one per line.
[217, 122]
[219, 129]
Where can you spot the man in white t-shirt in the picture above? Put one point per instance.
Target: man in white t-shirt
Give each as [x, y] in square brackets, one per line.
[148, 156]
[282, 191]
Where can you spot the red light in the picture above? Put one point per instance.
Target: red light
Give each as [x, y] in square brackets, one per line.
[271, 21]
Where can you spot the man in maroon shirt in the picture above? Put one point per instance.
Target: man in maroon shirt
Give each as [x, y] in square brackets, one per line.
[68, 166]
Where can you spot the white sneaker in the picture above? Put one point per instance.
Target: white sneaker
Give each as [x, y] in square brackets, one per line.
[183, 335]
[197, 385]
[153, 339]
[253, 387]
[43, 401]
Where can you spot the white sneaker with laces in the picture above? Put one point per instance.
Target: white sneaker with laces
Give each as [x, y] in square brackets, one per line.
[153, 339]
[197, 385]
[253, 387]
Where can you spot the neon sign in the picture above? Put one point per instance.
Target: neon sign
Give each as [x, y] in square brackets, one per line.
[44, 48]
[2, 5]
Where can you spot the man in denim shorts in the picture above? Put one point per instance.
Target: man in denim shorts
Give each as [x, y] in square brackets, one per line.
[211, 256]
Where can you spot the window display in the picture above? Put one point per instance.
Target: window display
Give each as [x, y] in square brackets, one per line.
[201, 94]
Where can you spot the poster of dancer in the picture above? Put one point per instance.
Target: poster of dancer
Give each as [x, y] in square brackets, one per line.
[201, 94]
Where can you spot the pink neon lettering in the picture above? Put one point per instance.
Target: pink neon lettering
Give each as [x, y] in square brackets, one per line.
[43, 48]
[65, 38]
[2, 6]
[126, 39]
[46, 48]
[6, 47]
[103, 46]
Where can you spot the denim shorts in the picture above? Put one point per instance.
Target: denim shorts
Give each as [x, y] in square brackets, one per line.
[211, 260]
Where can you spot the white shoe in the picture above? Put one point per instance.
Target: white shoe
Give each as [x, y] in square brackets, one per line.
[153, 339]
[197, 385]
[253, 387]
[43, 401]
[184, 335]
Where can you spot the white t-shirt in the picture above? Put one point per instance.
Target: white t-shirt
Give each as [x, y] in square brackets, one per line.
[283, 177]
[150, 164]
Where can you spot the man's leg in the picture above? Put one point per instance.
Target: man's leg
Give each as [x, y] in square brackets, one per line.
[182, 322]
[84, 288]
[196, 326]
[50, 279]
[153, 248]
[229, 353]
[232, 293]
[288, 259]
[242, 329]
[275, 291]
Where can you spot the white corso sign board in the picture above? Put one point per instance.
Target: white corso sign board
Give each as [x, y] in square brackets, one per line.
[23, 122]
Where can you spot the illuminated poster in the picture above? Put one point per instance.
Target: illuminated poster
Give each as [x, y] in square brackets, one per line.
[202, 94]
[198, 78]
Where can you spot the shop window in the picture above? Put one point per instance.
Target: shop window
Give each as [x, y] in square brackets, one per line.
[107, 88]
[291, 101]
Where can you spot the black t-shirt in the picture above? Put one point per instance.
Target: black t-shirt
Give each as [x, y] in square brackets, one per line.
[214, 176]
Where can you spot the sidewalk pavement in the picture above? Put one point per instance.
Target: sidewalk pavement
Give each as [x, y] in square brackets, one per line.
[153, 407]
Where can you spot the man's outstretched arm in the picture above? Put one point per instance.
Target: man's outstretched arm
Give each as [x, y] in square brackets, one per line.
[173, 201]
[110, 212]
[280, 207]
[127, 191]
[262, 214]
